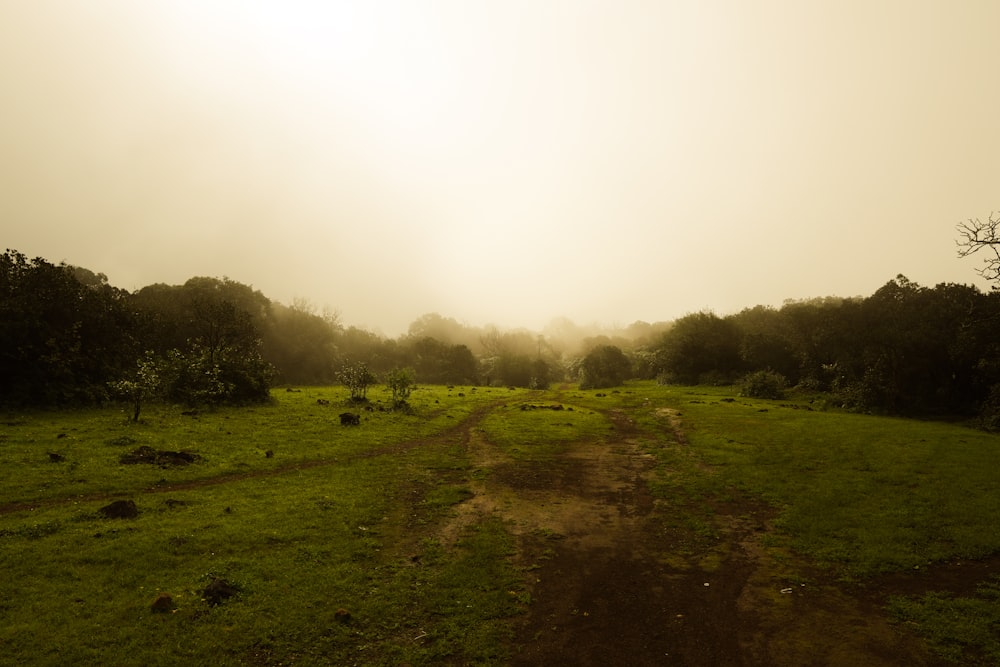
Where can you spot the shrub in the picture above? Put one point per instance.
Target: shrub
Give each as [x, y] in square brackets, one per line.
[357, 378]
[763, 384]
[400, 382]
[604, 366]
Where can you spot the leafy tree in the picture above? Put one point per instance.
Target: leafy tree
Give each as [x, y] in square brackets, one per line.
[61, 340]
[302, 345]
[210, 333]
[357, 378]
[144, 384]
[766, 341]
[604, 366]
[541, 374]
[700, 347]
[400, 381]
[439, 363]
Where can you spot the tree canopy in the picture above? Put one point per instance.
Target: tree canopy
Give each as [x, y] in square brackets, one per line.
[67, 336]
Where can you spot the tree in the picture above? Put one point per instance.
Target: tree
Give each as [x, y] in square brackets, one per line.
[301, 344]
[701, 347]
[61, 340]
[765, 341]
[976, 235]
[604, 366]
[400, 382]
[357, 378]
[210, 333]
[143, 385]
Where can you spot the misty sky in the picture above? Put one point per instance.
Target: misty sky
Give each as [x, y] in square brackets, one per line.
[502, 162]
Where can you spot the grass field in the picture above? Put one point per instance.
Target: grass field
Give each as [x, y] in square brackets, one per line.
[328, 538]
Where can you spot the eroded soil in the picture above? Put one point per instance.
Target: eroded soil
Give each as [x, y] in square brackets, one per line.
[620, 578]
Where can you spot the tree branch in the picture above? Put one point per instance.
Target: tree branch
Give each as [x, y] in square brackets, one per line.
[976, 235]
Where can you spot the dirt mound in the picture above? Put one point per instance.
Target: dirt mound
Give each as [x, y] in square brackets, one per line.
[120, 509]
[159, 457]
[218, 591]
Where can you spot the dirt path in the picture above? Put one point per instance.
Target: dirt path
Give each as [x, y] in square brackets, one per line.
[620, 579]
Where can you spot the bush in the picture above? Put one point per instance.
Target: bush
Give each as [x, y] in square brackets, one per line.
[604, 366]
[357, 378]
[763, 384]
[400, 382]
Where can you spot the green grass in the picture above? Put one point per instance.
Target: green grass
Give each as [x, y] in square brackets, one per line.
[350, 518]
[349, 534]
[230, 441]
[539, 430]
[862, 493]
[962, 629]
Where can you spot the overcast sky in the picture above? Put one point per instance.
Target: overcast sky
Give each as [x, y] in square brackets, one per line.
[502, 162]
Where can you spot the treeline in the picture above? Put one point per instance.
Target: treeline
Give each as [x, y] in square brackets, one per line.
[68, 337]
[906, 349]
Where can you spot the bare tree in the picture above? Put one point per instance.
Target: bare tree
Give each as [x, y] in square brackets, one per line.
[976, 235]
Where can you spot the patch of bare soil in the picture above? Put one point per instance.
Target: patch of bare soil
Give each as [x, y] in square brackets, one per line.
[620, 578]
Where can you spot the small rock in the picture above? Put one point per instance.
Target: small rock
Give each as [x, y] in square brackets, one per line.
[55, 457]
[342, 615]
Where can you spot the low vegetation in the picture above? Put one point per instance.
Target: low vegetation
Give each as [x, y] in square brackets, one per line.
[283, 537]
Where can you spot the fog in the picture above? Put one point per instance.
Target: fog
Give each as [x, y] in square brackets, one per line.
[502, 163]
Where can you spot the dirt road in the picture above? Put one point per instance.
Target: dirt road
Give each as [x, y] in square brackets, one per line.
[621, 578]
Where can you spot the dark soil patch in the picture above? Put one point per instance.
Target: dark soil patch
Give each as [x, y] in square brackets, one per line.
[163, 458]
[621, 605]
[120, 509]
[960, 578]
[218, 591]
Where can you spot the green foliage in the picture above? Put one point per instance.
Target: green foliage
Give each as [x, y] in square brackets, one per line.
[144, 385]
[604, 366]
[906, 349]
[357, 378]
[302, 345]
[201, 377]
[61, 340]
[962, 629]
[698, 347]
[763, 384]
[437, 362]
[400, 381]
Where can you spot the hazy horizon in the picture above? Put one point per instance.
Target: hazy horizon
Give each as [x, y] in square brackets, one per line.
[502, 163]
